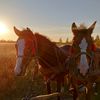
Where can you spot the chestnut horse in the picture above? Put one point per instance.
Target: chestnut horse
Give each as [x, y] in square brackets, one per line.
[82, 60]
[50, 58]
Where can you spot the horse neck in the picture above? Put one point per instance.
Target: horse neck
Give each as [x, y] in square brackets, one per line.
[41, 44]
[48, 52]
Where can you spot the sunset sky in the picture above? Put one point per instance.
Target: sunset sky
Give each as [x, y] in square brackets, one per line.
[52, 18]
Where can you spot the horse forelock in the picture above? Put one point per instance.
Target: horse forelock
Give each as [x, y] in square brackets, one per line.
[82, 26]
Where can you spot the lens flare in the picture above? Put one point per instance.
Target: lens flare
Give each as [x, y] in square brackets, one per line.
[3, 28]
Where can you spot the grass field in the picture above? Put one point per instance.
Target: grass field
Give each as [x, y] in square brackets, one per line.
[15, 88]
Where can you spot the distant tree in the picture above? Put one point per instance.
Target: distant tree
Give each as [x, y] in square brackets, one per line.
[93, 38]
[67, 41]
[7, 41]
[60, 40]
[97, 38]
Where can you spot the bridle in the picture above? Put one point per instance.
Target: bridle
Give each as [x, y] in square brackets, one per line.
[91, 56]
[29, 56]
[91, 63]
[81, 53]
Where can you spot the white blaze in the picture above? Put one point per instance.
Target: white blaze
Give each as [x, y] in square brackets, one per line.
[21, 46]
[83, 65]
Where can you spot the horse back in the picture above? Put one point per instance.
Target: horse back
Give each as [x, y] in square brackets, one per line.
[66, 49]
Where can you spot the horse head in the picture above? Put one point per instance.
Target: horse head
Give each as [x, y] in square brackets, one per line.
[25, 48]
[83, 47]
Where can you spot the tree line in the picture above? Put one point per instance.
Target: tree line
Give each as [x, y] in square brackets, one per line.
[96, 41]
[60, 41]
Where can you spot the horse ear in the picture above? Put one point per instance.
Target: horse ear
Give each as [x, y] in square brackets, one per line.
[18, 32]
[29, 29]
[91, 28]
[74, 28]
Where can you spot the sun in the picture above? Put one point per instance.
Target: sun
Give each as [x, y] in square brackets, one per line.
[3, 28]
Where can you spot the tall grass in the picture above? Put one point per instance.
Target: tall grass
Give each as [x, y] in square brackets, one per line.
[11, 87]
[7, 62]
[15, 88]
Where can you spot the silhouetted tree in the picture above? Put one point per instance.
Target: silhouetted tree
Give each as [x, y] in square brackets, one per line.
[67, 41]
[60, 40]
[97, 40]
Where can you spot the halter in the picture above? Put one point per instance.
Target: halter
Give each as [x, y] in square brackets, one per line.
[91, 64]
[90, 55]
[87, 54]
[77, 55]
[31, 53]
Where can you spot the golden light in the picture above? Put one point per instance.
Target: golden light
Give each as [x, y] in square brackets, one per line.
[3, 28]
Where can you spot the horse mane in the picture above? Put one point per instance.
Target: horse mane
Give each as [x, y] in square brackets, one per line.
[44, 39]
[49, 51]
[51, 44]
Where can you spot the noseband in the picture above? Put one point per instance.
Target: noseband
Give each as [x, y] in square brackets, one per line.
[81, 53]
[91, 64]
[91, 56]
